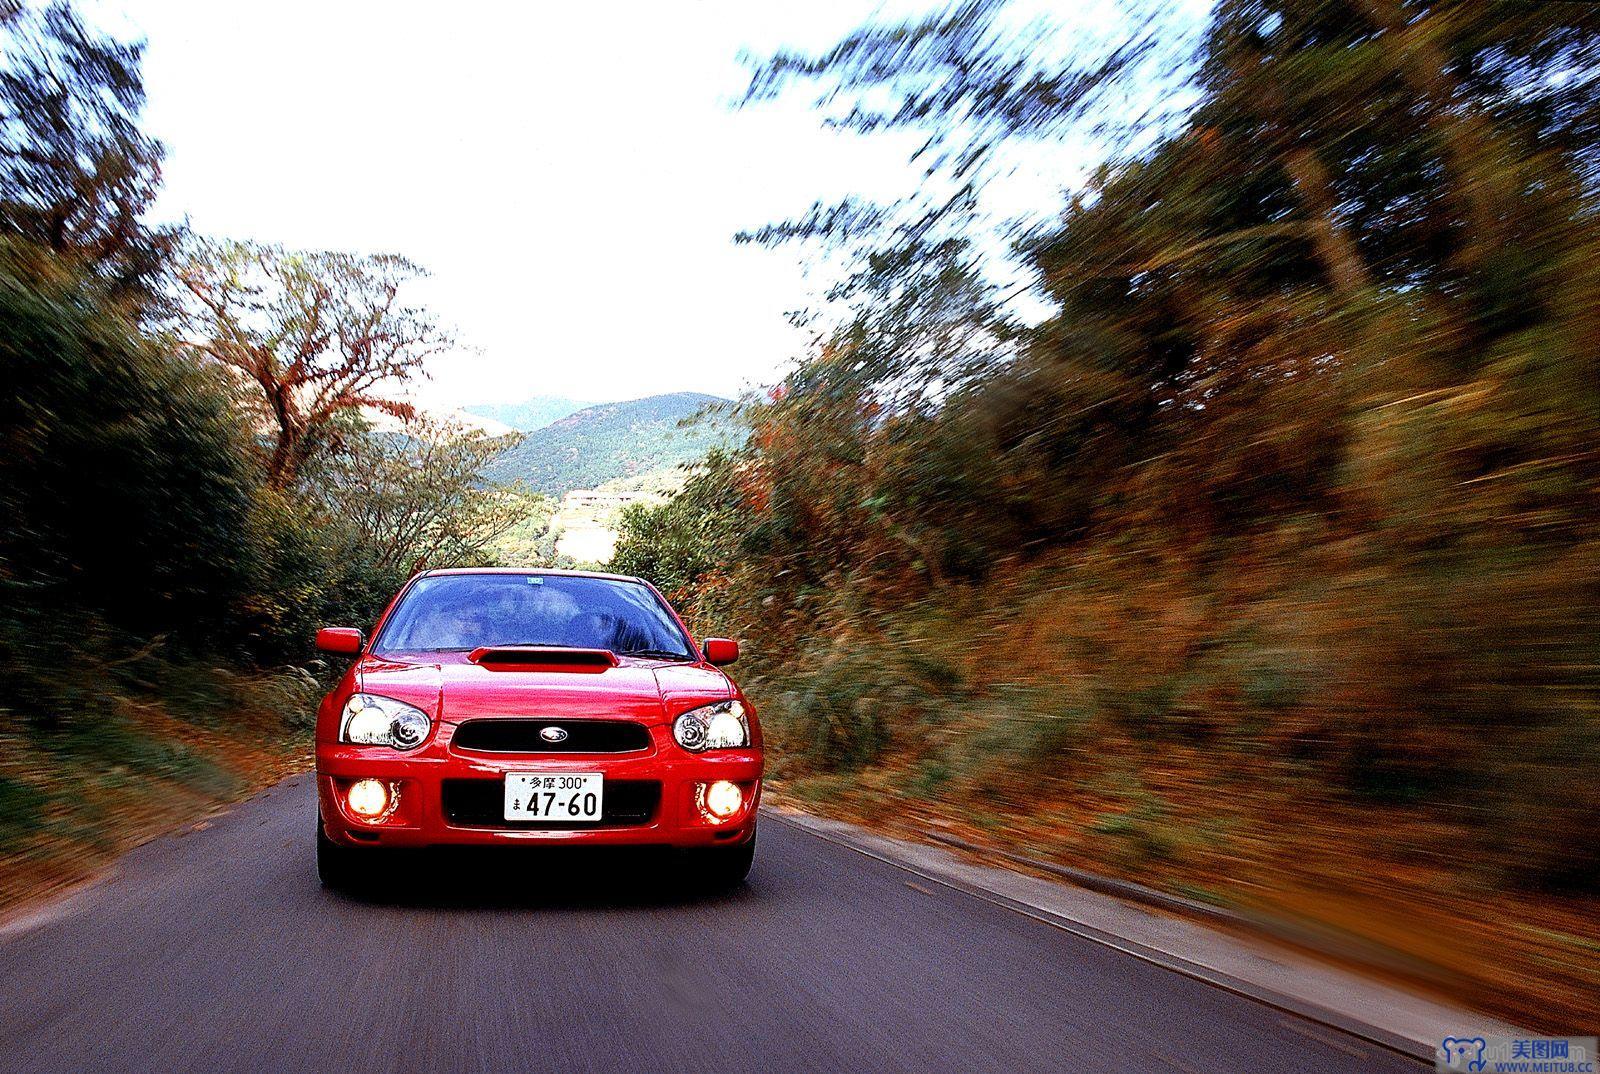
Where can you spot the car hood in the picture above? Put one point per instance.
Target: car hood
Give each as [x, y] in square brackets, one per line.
[451, 689]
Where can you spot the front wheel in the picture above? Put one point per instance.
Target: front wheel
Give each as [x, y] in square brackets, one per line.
[335, 864]
[723, 868]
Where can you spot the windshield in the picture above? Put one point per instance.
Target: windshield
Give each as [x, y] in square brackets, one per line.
[460, 612]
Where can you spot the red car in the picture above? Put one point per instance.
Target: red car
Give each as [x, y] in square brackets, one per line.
[534, 707]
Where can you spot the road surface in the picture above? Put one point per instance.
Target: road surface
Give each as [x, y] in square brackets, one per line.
[218, 951]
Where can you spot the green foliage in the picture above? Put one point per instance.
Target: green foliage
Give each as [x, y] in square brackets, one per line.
[833, 718]
[612, 440]
[530, 541]
[415, 494]
[307, 570]
[1141, 832]
[21, 810]
[109, 743]
[682, 544]
[1035, 725]
[76, 171]
[124, 485]
[930, 778]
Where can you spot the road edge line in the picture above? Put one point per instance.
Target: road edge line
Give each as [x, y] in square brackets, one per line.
[1370, 954]
[1312, 1012]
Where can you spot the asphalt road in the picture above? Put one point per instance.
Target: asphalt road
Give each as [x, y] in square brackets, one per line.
[217, 950]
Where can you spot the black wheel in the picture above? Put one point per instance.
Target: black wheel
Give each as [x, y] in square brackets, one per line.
[335, 864]
[724, 868]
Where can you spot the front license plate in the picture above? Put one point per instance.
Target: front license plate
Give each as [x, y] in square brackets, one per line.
[554, 795]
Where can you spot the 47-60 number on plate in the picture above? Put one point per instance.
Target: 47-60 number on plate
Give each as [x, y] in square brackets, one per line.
[554, 795]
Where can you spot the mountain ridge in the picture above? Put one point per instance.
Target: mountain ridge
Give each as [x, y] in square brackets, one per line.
[608, 441]
[530, 414]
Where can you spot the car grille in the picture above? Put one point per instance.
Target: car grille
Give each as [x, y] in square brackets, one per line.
[523, 736]
[481, 803]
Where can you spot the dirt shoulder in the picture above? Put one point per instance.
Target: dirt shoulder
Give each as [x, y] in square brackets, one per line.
[73, 803]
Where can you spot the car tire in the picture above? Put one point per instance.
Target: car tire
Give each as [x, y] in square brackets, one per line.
[724, 869]
[335, 864]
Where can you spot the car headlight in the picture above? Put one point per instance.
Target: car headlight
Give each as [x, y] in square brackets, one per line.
[714, 727]
[370, 720]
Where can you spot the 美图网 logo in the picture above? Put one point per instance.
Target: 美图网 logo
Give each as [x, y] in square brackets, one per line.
[1531, 1055]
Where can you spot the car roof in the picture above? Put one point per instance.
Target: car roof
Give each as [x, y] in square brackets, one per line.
[532, 570]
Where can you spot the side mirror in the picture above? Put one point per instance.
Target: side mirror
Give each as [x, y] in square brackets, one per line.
[340, 640]
[720, 651]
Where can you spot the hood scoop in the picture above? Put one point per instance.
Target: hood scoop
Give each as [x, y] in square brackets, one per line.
[542, 658]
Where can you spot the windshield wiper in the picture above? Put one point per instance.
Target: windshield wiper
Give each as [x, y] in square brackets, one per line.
[655, 654]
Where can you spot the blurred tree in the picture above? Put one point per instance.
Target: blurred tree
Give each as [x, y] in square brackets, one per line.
[679, 545]
[1322, 349]
[417, 494]
[531, 540]
[148, 505]
[312, 336]
[76, 171]
[125, 483]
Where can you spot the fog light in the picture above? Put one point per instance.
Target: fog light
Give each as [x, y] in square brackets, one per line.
[723, 799]
[368, 798]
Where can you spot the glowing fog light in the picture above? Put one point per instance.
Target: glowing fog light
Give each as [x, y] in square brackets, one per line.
[723, 799]
[367, 798]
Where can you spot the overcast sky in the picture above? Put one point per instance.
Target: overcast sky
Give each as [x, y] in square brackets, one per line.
[570, 173]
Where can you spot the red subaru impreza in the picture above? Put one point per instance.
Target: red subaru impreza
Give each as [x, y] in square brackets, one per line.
[534, 707]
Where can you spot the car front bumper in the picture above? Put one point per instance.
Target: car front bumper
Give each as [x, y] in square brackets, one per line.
[446, 797]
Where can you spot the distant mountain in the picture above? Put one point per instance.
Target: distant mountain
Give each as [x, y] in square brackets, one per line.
[530, 414]
[613, 440]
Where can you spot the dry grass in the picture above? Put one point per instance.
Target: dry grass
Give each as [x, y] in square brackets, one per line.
[78, 797]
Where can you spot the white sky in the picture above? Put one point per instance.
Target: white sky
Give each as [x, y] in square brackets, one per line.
[571, 174]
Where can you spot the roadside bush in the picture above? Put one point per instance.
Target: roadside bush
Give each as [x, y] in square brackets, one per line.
[1140, 833]
[1028, 724]
[306, 569]
[21, 810]
[832, 721]
[124, 483]
[1543, 808]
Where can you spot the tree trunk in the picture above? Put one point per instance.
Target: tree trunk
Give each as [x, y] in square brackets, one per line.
[1485, 181]
[1331, 241]
[283, 465]
[1335, 248]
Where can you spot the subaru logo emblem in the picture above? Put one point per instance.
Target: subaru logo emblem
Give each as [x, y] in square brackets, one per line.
[554, 734]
